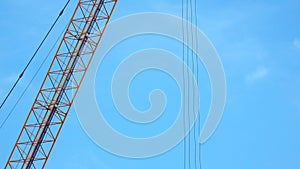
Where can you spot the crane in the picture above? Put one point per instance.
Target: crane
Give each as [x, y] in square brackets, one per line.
[61, 83]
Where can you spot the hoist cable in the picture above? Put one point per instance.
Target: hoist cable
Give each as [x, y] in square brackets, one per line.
[191, 13]
[183, 73]
[188, 82]
[197, 75]
[31, 80]
[33, 56]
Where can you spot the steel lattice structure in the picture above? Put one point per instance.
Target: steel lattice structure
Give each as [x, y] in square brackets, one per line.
[61, 83]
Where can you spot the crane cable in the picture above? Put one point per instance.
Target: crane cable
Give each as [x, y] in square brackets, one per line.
[183, 93]
[34, 54]
[186, 89]
[193, 57]
[188, 83]
[31, 80]
[197, 75]
[195, 67]
[57, 76]
[190, 16]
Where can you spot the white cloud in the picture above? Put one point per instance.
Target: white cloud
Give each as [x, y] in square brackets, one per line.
[258, 74]
[296, 43]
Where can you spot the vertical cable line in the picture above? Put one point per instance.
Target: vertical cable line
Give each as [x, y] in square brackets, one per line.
[188, 83]
[34, 54]
[183, 73]
[194, 151]
[197, 75]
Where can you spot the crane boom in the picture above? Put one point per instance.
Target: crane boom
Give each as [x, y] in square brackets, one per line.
[61, 83]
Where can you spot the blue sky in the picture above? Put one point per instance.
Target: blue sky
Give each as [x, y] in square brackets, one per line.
[258, 43]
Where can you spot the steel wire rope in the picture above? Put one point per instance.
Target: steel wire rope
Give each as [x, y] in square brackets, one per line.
[183, 73]
[31, 80]
[191, 13]
[197, 78]
[28, 64]
[57, 76]
[188, 81]
[34, 55]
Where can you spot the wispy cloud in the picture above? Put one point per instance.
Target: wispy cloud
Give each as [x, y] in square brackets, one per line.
[296, 43]
[258, 74]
